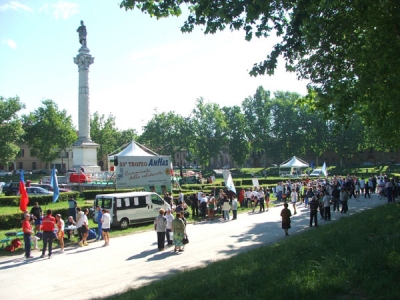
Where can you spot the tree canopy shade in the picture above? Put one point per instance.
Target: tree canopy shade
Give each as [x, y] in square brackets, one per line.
[349, 50]
[10, 128]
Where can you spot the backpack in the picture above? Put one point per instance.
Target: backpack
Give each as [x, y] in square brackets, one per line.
[9, 248]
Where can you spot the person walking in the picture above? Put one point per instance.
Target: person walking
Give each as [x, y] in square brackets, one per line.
[37, 215]
[286, 214]
[79, 222]
[160, 225]
[261, 197]
[327, 206]
[267, 197]
[84, 229]
[48, 224]
[313, 211]
[106, 225]
[27, 230]
[335, 197]
[195, 205]
[344, 197]
[60, 232]
[226, 208]
[234, 207]
[99, 223]
[295, 197]
[168, 231]
[178, 229]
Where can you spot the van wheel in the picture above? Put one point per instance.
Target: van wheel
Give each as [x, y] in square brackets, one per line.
[124, 223]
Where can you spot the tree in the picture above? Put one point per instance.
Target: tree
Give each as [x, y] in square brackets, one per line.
[347, 49]
[163, 133]
[104, 132]
[210, 130]
[239, 146]
[48, 131]
[11, 130]
[258, 122]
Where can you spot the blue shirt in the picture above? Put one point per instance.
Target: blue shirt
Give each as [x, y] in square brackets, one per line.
[99, 216]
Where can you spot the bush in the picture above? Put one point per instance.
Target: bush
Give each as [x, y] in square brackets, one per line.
[11, 221]
[42, 200]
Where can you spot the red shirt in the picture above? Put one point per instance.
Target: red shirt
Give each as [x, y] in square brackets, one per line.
[26, 226]
[48, 223]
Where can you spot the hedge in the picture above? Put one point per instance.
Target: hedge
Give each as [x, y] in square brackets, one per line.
[42, 200]
[12, 221]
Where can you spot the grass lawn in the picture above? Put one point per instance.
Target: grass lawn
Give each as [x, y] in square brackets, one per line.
[356, 258]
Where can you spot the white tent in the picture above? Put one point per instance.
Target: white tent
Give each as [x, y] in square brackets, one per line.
[294, 164]
[133, 150]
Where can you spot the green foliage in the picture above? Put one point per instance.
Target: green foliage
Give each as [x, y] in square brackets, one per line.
[48, 131]
[11, 130]
[348, 50]
[210, 129]
[167, 133]
[43, 199]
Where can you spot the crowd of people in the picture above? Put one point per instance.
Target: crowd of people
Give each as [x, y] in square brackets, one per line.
[50, 228]
[316, 195]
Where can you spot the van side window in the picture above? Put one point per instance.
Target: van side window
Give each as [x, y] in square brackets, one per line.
[155, 199]
[142, 201]
[119, 204]
[127, 202]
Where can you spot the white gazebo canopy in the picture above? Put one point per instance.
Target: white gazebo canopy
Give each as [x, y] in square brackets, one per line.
[292, 163]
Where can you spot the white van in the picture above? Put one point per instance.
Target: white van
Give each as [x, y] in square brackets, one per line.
[131, 207]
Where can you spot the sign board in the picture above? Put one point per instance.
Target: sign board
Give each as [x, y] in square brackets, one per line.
[143, 171]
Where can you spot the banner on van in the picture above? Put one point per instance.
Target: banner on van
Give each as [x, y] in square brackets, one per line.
[143, 171]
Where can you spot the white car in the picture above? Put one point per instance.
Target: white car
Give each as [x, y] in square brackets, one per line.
[4, 173]
[316, 173]
[35, 190]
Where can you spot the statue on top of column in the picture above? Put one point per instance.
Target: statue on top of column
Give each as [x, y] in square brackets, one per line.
[82, 34]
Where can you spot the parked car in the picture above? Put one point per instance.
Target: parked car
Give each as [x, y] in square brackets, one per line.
[4, 173]
[226, 167]
[17, 172]
[316, 173]
[35, 190]
[49, 188]
[11, 188]
[42, 171]
[367, 164]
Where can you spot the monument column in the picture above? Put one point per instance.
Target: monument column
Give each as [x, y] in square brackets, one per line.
[84, 149]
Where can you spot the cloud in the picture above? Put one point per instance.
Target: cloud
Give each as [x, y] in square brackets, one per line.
[14, 5]
[10, 43]
[61, 10]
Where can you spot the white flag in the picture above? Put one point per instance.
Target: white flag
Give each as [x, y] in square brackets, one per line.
[325, 170]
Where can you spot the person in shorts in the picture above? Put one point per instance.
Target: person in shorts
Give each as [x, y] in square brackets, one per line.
[106, 221]
[37, 214]
[84, 229]
[60, 232]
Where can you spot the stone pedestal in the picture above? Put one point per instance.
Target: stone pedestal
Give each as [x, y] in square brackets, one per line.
[84, 150]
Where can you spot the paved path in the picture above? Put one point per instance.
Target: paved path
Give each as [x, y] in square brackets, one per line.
[132, 260]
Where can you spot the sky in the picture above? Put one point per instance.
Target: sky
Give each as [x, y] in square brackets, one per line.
[142, 65]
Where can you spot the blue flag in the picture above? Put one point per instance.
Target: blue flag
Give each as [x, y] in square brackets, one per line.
[54, 184]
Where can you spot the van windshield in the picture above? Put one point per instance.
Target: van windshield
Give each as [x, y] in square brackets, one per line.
[105, 203]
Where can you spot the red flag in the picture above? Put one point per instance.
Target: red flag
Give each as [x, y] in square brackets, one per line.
[23, 204]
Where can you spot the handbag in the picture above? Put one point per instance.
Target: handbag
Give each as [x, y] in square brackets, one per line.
[185, 240]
